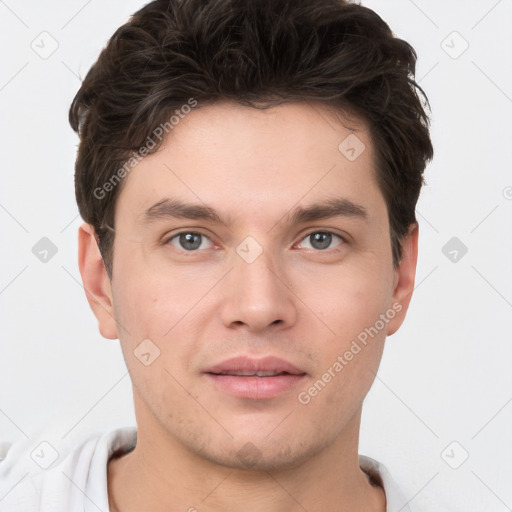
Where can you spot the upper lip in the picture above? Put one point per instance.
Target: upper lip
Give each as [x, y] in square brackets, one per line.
[248, 365]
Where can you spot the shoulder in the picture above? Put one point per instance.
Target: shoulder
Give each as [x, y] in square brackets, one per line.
[47, 474]
[378, 474]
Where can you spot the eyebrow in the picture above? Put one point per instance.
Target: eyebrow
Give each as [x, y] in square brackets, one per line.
[175, 208]
[336, 207]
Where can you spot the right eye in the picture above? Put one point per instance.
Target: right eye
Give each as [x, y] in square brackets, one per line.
[189, 241]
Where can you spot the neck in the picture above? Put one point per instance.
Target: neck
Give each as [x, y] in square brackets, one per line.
[161, 475]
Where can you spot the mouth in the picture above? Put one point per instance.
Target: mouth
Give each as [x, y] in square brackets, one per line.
[250, 373]
[255, 379]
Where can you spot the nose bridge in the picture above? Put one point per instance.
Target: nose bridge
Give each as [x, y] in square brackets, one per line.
[257, 295]
[256, 274]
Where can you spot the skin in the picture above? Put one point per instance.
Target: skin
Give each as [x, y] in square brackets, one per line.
[296, 301]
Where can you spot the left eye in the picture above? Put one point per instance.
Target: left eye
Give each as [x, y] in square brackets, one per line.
[321, 240]
[189, 241]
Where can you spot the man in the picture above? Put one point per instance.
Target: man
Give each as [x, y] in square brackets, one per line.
[248, 174]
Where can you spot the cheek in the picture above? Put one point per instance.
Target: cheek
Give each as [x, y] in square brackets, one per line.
[344, 375]
[166, 309]
[151, 299]
[352, 304]
[347, 298]
[138, 305]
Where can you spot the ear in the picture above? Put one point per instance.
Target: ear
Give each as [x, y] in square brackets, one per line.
[96, 281]
[403, 283]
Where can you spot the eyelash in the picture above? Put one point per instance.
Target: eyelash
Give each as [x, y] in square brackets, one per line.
[176, 235]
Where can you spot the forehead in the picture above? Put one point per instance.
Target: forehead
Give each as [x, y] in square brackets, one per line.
[247, 161]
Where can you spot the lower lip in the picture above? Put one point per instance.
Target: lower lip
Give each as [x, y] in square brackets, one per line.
[256, 388]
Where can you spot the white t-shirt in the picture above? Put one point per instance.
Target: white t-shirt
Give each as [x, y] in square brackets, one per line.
[37, 477]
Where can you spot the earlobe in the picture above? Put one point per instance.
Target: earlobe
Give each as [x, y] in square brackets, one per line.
[96, 281]
[404, 278]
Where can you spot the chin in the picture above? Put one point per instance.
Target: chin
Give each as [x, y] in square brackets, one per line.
[257, 452]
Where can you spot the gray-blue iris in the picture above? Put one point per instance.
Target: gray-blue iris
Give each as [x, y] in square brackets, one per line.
[190, 240]
[322, 240]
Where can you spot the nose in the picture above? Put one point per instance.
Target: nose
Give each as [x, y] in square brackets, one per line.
[258, 296]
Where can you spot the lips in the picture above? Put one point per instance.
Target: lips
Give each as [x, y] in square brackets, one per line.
[244, 366]
[251, 373]
[255, 379]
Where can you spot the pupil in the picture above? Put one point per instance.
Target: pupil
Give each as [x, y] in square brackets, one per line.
[187, 240]
[321, 240]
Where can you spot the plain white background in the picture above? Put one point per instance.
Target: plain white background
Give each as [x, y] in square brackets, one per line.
[444, 389]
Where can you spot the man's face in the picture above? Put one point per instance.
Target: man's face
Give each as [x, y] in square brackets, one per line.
[259, 283]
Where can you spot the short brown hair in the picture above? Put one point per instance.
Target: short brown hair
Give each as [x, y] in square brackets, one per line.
[254, 52]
